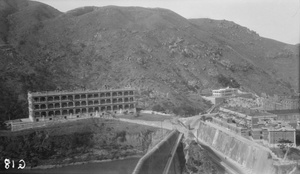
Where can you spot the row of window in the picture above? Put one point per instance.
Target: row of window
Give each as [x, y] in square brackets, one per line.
[81, 96]
[37, 119]
[82, 103]
[82, 110]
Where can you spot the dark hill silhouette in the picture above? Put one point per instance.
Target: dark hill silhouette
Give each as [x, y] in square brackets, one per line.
[160, 53]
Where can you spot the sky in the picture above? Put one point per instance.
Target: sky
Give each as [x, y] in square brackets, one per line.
[275, 19]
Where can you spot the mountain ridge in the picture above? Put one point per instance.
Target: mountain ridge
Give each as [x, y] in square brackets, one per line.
[160, 53]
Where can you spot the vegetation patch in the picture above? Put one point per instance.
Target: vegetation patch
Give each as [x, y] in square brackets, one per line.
[96, 139]
[227, 81]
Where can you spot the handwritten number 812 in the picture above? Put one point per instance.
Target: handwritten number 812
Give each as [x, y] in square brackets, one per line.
[7, 162]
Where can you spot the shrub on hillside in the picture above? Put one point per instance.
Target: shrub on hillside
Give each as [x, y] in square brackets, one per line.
[39, 145]
[158, 108]
[227, 81]
[186, 111]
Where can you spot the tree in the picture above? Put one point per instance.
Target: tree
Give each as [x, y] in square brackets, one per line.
[158, 108]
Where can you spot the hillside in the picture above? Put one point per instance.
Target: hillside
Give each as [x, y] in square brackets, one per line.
[161, 54]
[279, 60]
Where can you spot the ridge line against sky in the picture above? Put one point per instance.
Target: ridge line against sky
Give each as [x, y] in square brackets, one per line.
[274, 19]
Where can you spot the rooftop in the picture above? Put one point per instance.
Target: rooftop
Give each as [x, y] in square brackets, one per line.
[281, 129]
[224, 89]
[43, 93]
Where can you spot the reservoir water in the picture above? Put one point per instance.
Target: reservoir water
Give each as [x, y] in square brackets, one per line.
[125, 166]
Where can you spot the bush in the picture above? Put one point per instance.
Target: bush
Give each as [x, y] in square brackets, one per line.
[186, 111]
[228, 81]
[158, 108]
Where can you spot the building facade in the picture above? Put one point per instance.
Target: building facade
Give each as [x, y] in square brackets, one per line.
[273, 136]
[225, 92]
[279, 102]
[276, 135]
[53, 105]
[289, 115]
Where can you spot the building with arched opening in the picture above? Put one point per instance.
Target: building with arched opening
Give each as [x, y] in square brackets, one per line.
[55, 105]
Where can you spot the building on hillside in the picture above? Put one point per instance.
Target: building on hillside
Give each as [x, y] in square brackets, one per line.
[273, 135]
[55, 105]
[288, 115]
[279, 102]
[224, 92]
[253, 118]
[283, 133]
[220, 95]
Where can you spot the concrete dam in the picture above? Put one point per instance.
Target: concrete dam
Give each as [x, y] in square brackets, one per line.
[164, 157]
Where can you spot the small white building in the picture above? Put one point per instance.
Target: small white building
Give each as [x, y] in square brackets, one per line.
[225, 92]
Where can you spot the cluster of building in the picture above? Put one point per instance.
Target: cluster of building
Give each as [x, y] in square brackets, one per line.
[260, 125]
[270, 120]
[278, 102]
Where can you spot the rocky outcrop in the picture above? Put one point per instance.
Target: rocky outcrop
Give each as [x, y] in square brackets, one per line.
[198, 161]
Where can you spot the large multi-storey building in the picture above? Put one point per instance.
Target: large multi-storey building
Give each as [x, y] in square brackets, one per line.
[275, 136]
[53, 105]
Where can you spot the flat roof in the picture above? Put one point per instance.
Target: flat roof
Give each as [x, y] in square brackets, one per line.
[45, 93]
[286, 127]
[286, 111]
